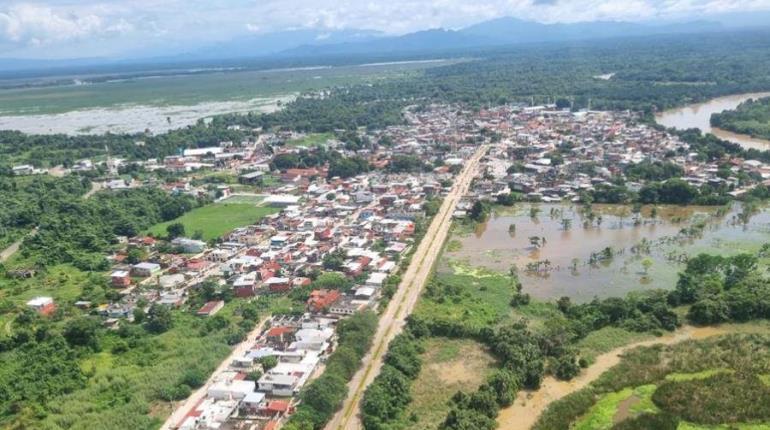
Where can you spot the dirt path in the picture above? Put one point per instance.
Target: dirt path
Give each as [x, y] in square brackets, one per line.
[392, 320]
[6, 253]
[185, 406]
[528, 406]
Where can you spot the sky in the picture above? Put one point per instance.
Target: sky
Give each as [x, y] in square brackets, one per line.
[111, 28]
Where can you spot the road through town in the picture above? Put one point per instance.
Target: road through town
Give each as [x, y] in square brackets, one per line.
[401, 305]
[181, 410]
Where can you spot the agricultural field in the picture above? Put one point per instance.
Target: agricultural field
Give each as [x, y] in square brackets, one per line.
[720, 382]
[214, 220]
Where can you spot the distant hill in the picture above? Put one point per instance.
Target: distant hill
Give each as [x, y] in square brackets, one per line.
[428, 40]
[501, 31]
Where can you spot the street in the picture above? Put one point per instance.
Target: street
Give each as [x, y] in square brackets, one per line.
[392, 320]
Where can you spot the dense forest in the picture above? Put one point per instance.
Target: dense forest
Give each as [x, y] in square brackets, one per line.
[25, 200]
[751, 117]
[75, 230]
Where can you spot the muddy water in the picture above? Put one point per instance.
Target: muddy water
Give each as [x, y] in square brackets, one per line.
[573, 272]
[698, 115]
[529, 405]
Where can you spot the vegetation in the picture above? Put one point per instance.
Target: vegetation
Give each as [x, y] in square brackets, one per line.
[713, 382]
[27, 199]
[79, 231]
[751, 117]
[324, 396]
[214, 220]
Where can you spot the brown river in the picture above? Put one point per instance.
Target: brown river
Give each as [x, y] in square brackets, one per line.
[698, 115]
[529, 405]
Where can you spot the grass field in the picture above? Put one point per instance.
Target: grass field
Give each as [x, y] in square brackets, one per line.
[215, 220]
[449, 365]
[313, 139]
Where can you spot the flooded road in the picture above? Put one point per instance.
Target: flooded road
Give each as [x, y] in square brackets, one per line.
[529, 405]
[698, 115]
[608, 251]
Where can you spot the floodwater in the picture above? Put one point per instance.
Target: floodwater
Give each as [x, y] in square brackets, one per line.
[529, 405]
[134, 118]
[575, 262]
[698, 115]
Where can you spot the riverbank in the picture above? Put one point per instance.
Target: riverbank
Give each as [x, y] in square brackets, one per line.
[698, 115]
[530, 404]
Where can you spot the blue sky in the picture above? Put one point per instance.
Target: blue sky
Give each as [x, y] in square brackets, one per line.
[87, 28]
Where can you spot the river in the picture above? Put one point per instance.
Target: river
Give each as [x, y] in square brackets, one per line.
[698, 115]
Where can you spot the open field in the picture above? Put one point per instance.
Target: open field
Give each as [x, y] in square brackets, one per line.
[313, 139]
[172, 101]
[449, 365]
[215, 220]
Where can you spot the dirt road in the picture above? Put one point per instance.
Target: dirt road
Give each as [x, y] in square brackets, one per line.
[181, 410]
[401, 305]
[529, 405]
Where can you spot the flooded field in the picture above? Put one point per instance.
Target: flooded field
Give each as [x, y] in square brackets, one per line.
[565, 250]
[134, 118]
[698, 115]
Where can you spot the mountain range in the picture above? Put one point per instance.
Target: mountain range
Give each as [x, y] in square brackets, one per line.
[319, 43]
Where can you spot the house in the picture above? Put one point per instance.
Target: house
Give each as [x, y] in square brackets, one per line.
[376, 279]
[253, 402]
[279, 384]
[120, 278]
[277, 407]
[189, 246]
[321, 299]
[281, 200]
[278, 285]
[42, 305]
[210, 308]
[145, 269]
[231, 389]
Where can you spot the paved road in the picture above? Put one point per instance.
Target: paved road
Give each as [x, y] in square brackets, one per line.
[186, 405]
[401, 305]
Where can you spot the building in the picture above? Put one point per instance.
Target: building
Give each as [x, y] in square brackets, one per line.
[321, 299]
[281, 200]
[189, 246]
[120, 278]
[42, 305]
[210, 308]
[145, 269]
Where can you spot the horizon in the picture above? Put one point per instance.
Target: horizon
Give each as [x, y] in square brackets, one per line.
[121, 29]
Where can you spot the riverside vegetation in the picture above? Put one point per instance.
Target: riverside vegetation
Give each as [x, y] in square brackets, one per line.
[532, 339]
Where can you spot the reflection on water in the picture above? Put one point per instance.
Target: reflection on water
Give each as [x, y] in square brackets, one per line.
[698, 115]
[608, 251]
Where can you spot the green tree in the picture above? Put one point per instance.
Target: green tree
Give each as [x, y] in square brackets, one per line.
[175, 230]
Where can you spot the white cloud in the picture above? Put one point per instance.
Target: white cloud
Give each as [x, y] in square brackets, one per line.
[32, 26]
[36, 25]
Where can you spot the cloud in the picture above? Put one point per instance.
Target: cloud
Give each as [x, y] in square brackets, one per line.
[38, 25]
[43, 27]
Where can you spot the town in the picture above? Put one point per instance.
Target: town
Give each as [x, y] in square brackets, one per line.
[336, 239]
